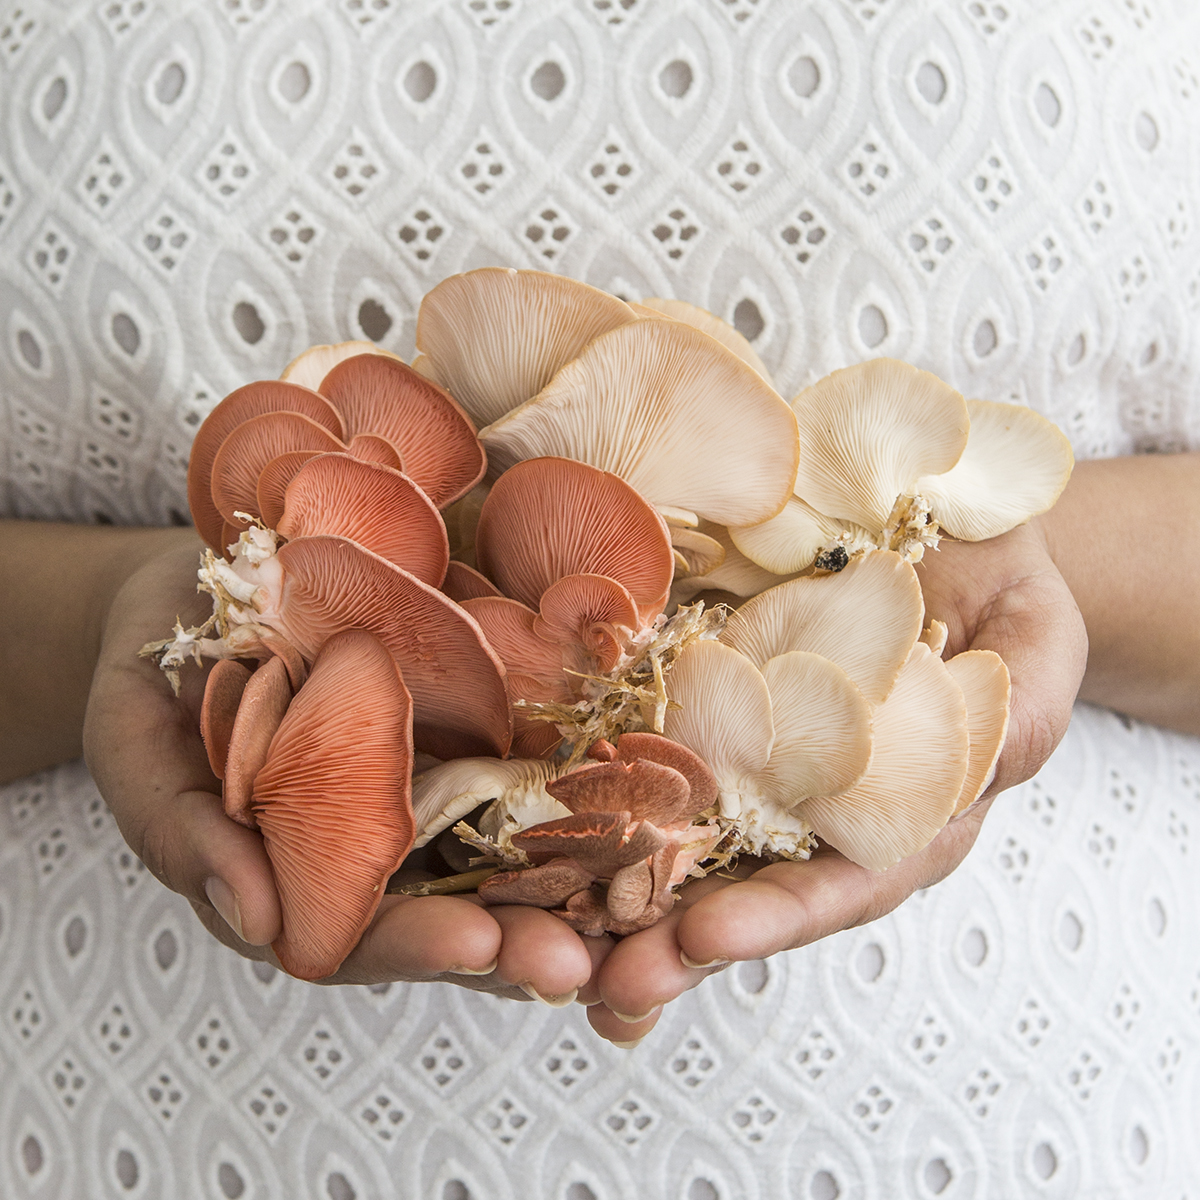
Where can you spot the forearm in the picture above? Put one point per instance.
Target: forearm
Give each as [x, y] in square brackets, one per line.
[1126, 537]
[56, 585]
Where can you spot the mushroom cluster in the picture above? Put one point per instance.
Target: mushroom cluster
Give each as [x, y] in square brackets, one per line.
[458, 589]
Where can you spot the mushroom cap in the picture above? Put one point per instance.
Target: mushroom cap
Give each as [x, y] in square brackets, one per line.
[918, 765]
[822, 728]
[222, 694]
[651, 791]
[455, 678]
[737, 574]
[869, 432]
[706, 322]
[1015, 466]
[673, 413]
[448, 792]
[983, 678]
[865, 619]
[547, 518]
[310, 367]
[373, 505]
[273, 480]
[701, 553]
[332, 801]
[264, 702]
[250, 448]
[591, 610]
[465, 583]
[790, 540]
[496, 336]
[252, 400]
[701, 781]
[434, 437]
[724, 712]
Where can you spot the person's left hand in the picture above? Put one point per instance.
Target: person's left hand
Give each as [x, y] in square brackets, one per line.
[1004, 595]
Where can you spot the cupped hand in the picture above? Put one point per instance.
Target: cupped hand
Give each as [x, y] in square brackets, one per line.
[143, 747]
[1004, 595]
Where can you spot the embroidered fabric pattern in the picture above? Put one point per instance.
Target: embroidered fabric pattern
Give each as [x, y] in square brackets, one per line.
[1006, 194]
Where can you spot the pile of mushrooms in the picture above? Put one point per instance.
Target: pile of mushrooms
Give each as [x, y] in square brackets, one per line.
[450, 607]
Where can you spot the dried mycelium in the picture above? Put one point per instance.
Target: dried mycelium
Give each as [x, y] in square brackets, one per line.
[389, 586]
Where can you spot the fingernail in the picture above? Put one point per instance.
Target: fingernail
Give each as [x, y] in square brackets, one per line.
[223, 898]
[698, 966]
[553, 1001]
[627, 1045]
[630, 1020]
[472, 971]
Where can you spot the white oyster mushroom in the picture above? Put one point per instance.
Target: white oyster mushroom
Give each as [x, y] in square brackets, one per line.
[493, 338]
[673, 413]
[984, 681]
[448, 792]
[309, 368]
[1015, 466]
[706, 322]
[790, 541]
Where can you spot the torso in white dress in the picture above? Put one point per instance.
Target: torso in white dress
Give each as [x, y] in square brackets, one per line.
[1005, 193]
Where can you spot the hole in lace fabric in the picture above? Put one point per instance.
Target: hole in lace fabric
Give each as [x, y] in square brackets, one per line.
[1157, 916]
[1045, 1161]
[580, 1191]
[702, 1189]
[337, 1187]
[747, 320]
[1077, 350]
[548, 81]
[166, 949]
[753, 976]
[974, 946]
[1145, 129]
[374, 320]
[75, 935]
[824, 1187]
[985, 339]
[420, 81]
[455, 1189]
[870, 962]
[872, 325]
[247, 322]
[937, 1176]
[1139, 1145]
[675, 78]
[32, 1158]
[126, 1170]
[54, 99]
[231, 1183]
[125, 333]
[931, 83]
[169, 84]
[804, 76]
[1070, 931]
[294, 82]
[1046, 101]
[31, 352]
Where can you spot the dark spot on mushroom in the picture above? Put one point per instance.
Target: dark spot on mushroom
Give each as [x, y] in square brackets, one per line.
[832, 560]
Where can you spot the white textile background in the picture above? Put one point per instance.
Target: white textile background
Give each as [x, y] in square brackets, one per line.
[1003, 191]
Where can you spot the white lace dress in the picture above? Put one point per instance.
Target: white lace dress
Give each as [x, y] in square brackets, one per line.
[1004, 191]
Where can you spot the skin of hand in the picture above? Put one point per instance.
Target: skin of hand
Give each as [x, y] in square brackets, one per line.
[1005, 595]
[144, 750]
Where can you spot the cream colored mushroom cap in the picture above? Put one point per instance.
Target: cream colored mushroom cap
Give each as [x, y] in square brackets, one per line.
[706, 322]
[448, 792]
[670, 411]
[869, 432]
[724, 712]
[1015, 466]
[496, 336]
[918, 765]
[737, 573]
[865, 619]
[309, 368]
[983, 678]
[790, 540]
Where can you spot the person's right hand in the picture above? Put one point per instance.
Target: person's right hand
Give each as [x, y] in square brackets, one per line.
[144, 750]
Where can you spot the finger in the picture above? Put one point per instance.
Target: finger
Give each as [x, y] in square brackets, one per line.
[598, 948]
[790, 904]
[143, 747]
[541, 955]
[620, 1033]
[416, 938]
